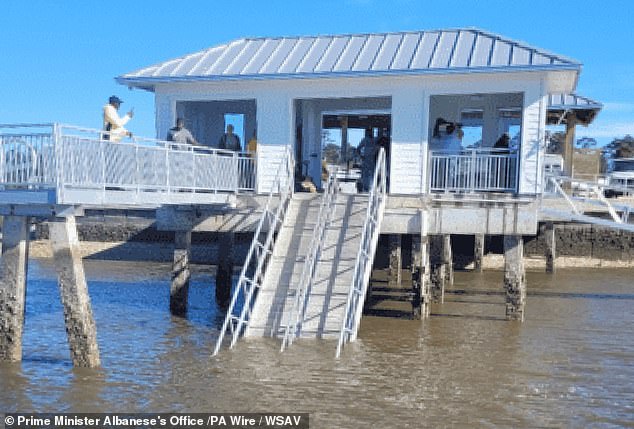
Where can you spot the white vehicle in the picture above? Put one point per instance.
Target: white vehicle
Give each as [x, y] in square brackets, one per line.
[553, 164]
[622, 176]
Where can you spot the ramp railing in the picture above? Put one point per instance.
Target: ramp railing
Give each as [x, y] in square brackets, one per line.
[297, 312]
[579, 195]
[365, 255]
[252, 274]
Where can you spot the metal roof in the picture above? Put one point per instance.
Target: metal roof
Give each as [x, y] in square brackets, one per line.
[438, 51]
[571, 101]
[582, 108]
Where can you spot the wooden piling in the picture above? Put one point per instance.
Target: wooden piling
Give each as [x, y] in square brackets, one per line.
[78, 317]
[420, 276]
[225, 268]
[549, 233]
[478, 252]
[438, 275]
[447, 258]
[396, 261]
[14, 263]
[179, 288]
[514, 277]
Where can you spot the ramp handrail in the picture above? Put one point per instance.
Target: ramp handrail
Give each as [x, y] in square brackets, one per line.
[365, 255]
[554, 182]
[245, 292]
[298, 311]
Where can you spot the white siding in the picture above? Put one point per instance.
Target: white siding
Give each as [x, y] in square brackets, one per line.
[269, 158]
[408, 117]
[533, 147]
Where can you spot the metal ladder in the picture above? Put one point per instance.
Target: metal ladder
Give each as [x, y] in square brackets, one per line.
[365, 255]
[261, 249]
[297, 312]
[594, 195]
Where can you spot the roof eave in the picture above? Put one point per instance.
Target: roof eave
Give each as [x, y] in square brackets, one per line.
[149, 82]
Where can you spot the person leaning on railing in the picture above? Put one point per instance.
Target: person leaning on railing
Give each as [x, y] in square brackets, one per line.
[113, 125]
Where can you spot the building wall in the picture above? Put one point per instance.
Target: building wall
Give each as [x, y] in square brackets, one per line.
[410, 109]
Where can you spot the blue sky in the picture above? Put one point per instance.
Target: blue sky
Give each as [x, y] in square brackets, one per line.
[59, 58]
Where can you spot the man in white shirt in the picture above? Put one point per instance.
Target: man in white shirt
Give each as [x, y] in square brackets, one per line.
[113, 125]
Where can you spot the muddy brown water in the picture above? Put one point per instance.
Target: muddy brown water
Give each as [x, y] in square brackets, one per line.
[570, 364]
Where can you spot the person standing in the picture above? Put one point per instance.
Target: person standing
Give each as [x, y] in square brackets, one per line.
[181, 135]
[113, 125]
[368, 149]
[229, 140]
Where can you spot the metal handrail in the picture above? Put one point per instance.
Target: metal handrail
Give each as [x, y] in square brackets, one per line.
[596, 188]
[81, 166]
[365, 255]
[473, 170]
[297, 313]
[236, 320]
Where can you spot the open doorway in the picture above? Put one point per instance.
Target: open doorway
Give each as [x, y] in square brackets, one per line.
[347, 142]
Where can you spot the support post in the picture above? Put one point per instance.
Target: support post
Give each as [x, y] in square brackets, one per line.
[514, 277]
[396, 261]
[420, 276]
[551, 251]
[569, 143]
[448, 258]
[179, 288]
[78, 317]
[225, 268]
[478, 252]
[438, 275]
[14, 263]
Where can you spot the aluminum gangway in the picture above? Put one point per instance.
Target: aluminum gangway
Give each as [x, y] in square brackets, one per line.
[69, 165]
[365, 255]
[571, 199]
[267, 233]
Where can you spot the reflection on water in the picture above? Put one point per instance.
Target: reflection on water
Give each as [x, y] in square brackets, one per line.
[568, 365]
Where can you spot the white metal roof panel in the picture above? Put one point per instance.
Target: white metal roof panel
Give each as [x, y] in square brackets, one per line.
[387, 52]
[406, 51]
[425, 51]
[332, 54]
[350, 54]
[313, 55]
[368, 53]
[439, 51]
[296, 55]
[463, 49]
[444, 49]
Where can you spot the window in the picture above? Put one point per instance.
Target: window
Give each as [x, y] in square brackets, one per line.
[472, 123]
[510, 122]
[237, 120]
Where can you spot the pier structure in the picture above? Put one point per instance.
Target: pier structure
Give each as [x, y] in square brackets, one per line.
[309, 265]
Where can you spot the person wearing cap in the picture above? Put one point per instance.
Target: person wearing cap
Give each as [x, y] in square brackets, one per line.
[113, 125]
[181, 135]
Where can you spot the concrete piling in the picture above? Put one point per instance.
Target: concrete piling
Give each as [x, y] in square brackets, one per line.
[420, 276]
[447, 258]
[549, 232]
[438, 268]
[225, 268]
[395, 261]
[78, 317]
[179, 288]
[478, 252]
[514, 277]
[14, 263]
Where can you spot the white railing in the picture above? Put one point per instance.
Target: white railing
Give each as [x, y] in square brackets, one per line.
[593, 194]
[84, 168]
[473, 170]
[252, 274]
[297, 313]
[365, 255]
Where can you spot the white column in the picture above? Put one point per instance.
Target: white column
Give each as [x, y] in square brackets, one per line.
[409, 127]
[533, 145]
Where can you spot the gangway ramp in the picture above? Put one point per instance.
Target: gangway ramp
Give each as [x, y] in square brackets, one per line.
[326, 299]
